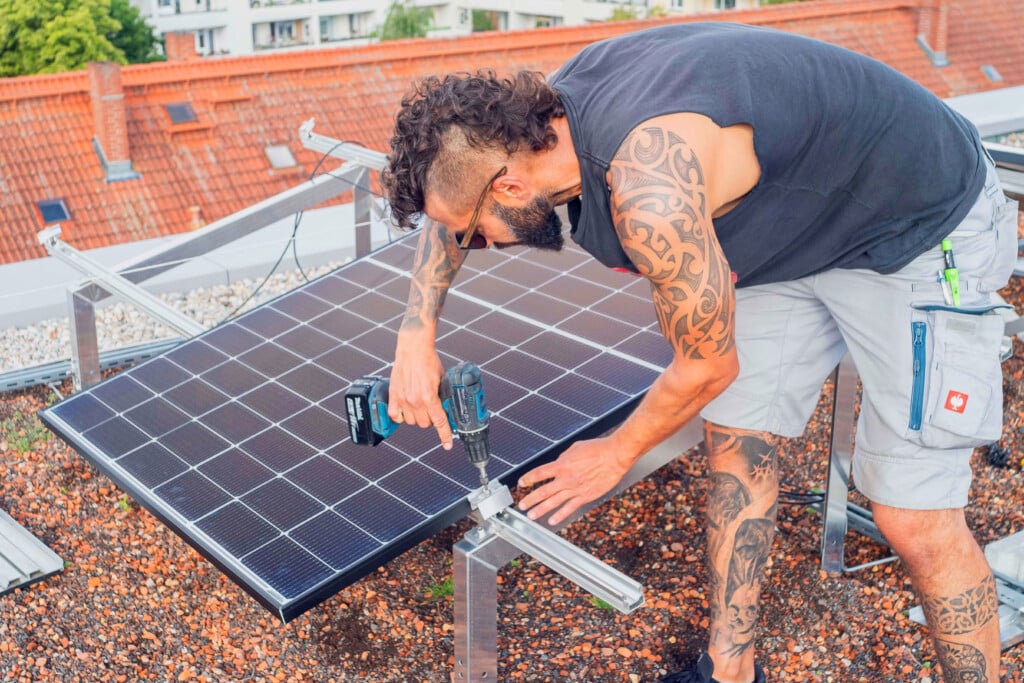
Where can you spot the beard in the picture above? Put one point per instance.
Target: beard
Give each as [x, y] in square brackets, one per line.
[534, 225]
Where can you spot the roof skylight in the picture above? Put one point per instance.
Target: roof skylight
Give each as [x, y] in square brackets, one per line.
[53, 210]
[280, 156]
[181, 112]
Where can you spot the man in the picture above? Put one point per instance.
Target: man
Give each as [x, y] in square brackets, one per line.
[788, 201]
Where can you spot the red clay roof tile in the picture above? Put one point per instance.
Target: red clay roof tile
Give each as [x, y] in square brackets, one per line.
[246, 103]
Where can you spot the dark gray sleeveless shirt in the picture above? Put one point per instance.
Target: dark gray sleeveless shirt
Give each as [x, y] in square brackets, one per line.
[861, 167]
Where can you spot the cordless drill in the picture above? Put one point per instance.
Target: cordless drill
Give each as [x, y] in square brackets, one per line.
[462, 396]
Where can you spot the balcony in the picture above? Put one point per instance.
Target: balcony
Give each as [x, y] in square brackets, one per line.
[170, 8]
[274, 3]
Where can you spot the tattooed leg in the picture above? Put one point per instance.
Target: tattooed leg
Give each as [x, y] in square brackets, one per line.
[955, 585]
[741, 511]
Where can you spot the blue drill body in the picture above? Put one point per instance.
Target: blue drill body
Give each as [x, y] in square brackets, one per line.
[462, 396]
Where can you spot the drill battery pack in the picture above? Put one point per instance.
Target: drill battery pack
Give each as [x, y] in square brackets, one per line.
[366, 406]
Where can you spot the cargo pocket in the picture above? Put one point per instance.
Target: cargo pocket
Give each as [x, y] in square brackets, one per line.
[1004, 224]
[957, 393]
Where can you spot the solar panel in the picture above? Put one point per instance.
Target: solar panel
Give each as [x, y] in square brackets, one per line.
[237, 439]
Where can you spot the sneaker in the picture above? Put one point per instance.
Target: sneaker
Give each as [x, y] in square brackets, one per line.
[702, 671]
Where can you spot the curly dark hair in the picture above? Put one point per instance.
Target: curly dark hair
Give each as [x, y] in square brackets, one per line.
[491, 112]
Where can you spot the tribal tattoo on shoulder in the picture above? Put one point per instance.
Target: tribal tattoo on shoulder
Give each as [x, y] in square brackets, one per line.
[661, 215]
[434, 268]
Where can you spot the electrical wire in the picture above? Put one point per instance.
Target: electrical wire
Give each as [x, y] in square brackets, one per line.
[789, 495]
[292, 243]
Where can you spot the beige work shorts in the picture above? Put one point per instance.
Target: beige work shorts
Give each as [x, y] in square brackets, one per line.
[930, 371]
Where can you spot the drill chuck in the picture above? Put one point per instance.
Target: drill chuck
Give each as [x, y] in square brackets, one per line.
[477, 446]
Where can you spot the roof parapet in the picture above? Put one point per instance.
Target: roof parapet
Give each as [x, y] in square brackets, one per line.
[110, 122]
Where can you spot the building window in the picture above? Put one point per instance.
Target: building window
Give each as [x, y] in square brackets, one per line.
[53, 210]
[181, 112]
[677, 4]
[725, 4]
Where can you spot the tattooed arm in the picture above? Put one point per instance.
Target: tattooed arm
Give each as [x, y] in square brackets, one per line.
[417, 370]
[661, 208]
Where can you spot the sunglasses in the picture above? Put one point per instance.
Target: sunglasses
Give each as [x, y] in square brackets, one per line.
[468, 239]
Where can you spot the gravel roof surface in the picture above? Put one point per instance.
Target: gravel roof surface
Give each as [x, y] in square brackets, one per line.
[135, 603]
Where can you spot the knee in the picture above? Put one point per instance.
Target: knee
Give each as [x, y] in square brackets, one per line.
[920, 536]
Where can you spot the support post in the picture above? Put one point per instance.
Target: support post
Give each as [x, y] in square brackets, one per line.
[85, 352]
[477, 559]
[834, 513]
[362, 203]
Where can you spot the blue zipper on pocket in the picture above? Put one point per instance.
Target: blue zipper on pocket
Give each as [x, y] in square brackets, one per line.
[917, 392]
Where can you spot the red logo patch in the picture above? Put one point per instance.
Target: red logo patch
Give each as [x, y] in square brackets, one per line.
[956, 401]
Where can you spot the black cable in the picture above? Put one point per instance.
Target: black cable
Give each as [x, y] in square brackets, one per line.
[292, 242]
[791, 496]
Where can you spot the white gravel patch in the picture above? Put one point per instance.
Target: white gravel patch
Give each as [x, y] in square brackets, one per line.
[120, 324]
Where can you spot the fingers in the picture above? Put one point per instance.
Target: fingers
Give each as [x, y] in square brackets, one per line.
[430, 413]
[558, 491]
[439, 420]
[561, 504]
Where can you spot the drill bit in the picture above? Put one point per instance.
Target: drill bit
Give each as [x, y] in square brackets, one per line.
[484, 482]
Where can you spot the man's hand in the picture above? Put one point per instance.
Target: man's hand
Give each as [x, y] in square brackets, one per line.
[416, 375]
[583, 473]
[415, 379]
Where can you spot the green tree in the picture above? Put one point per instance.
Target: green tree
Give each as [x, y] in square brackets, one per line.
[483, 20]
[623, 13]
[48, 36]
[629, 12]
[405, 21]
[135, 38]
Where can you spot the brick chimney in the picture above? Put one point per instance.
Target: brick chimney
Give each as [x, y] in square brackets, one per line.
[110, 125]
[932, 32]
[180, 46]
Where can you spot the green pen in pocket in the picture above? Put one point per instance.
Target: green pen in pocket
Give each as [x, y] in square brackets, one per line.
[951, 275]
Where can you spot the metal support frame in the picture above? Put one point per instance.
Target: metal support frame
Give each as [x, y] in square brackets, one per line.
[367, 159]
[85, 361]
[339, 148]
[82, 298]
[483, 551]
[838, 514]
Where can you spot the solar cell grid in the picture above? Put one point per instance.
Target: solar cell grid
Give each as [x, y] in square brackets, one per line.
[237, 438]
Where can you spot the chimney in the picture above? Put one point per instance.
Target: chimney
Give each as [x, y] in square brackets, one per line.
[180, 46]
[110, 125]
[932, 30]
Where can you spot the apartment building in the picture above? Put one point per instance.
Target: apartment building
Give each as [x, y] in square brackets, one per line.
[241, 27]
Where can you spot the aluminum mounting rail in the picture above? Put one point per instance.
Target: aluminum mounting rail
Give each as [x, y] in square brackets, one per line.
[116, 284]
[341, 149]
[500, 538]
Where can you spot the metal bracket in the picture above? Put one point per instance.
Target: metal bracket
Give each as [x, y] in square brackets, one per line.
[117, 284]
[85, 366]
[340, 149]
[489, 501]
[506, 534]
